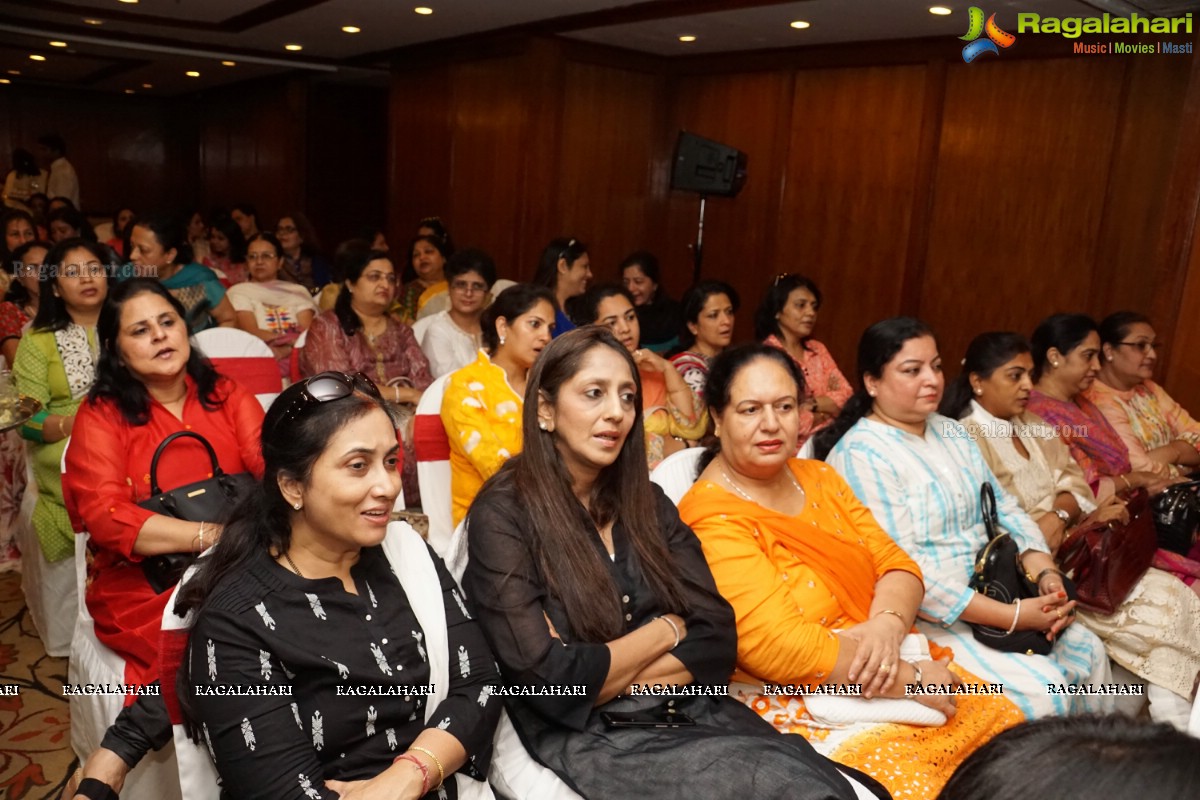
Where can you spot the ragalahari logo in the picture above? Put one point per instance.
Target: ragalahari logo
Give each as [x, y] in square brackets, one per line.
[976, 28]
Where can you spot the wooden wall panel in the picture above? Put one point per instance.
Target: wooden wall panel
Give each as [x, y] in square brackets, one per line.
[850, 192]
[1021, 179]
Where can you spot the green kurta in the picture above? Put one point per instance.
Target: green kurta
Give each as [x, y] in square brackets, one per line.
[39, 373]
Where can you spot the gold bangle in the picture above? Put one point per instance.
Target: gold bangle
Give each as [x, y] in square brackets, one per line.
[437, 762]
[897, 614]
[1128, 485]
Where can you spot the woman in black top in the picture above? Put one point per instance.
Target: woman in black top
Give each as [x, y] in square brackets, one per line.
[589, 587]
[300, 597]
[659, 317]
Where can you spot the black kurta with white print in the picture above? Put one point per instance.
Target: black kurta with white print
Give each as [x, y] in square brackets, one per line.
[268, 626]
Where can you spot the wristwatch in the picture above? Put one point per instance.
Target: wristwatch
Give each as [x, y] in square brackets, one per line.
[1063, 515]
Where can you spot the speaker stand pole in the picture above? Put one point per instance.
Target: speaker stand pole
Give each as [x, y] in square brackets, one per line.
[698, 250]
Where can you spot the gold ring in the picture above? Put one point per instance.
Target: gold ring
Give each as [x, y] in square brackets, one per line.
[885, 667]
[1060, 614]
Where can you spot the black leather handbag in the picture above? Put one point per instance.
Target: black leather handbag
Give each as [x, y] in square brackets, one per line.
[1177, 517]
[1000, 575]
[209, 500]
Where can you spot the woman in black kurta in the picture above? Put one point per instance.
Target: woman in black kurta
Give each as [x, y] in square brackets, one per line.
[512, 568]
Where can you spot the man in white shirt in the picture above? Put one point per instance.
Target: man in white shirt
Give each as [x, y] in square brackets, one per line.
[63, 181]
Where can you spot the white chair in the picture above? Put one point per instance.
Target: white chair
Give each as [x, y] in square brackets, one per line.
[1194, 723]
[432, 447]
[420, 327]
[677, 472]
[49, 588]
[245, 358]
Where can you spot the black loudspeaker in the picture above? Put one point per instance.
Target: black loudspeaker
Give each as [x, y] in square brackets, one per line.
[707, 167]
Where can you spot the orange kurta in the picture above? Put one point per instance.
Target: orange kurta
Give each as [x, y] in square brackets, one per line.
[795, 580]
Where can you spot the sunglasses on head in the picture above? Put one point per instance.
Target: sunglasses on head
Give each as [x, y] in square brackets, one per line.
[325, 387]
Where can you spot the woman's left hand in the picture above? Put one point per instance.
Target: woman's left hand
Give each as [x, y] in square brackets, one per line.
[374, 789]
[648, 359]
[874, 664]
[1052, 583]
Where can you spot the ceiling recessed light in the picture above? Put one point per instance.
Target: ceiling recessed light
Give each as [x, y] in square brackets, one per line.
[90, 21]
[941, 11]
[228, 63]
[58, 44]
[5, 80]
[800, 24]
[423, 10]
[688, 38]
[147, 85]
[130, 2]
[295, 48]
[351, 29]
[14, 72]
[191, 73]
[129, 91]
[36, 57]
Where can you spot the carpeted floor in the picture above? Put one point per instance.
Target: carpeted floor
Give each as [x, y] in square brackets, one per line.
[35, 726]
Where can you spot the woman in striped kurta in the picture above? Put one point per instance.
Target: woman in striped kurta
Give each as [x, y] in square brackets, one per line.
[920, 474]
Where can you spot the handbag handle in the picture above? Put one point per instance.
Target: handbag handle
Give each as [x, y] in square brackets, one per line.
[212, 455]
[987, 503]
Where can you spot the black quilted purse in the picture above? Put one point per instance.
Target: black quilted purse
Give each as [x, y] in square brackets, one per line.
[209, 500]
[1000, 575]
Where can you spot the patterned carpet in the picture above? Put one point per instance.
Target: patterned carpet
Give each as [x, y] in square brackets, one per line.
[35, 727]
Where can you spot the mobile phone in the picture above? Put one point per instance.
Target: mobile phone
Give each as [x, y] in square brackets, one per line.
[654, 718]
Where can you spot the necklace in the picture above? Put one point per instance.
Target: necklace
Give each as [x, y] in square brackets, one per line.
[292, 564]
[738, 489]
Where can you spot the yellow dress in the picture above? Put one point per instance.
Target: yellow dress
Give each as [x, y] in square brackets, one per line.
[795, 580]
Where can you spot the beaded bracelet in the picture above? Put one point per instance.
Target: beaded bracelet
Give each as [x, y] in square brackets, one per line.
[424, 770]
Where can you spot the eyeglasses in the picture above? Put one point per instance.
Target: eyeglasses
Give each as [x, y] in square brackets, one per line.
[325, 387]
[1145, 347]
[286, 229]
[469, 286]
[266, 256]
[376, 277]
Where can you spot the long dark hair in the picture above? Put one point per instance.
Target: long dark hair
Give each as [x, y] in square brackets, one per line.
[1063, 332]
[17, 293]
[878, 346]
[775, 299]
[986, 353]
[570, 250]
[560, 528]
[510, 304]
[52, 313]
[114, 381]
[354, 261]
[693, 303]
[237, 240]
[1112, 756]
[724, 369]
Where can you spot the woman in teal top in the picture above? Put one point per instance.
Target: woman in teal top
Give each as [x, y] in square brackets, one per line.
[55, 365]
[158, 248]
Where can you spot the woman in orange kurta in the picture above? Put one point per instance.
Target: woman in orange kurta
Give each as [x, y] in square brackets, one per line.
[823, 596]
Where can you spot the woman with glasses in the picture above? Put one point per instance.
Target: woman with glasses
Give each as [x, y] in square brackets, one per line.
[150, 384]
[302, 260]
[454, 336]
[566, 270]
[309, 592]
[357, 335]
[159, 249]
[785, 320]
[481, 409]
[56, 364]
[1161, 436]
[274, 310]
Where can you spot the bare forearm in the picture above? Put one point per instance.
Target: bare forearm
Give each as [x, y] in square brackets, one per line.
[632, 653]
[665, 669]
[161, 534]
[897, 594]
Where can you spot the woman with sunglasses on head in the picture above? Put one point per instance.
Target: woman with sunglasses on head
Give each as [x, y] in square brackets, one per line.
[671, 416]
[785, 320]
[583, 575]
[566, 270]
[1161, 436]
[358, 335]
[274, 310]
[150, 384]
[309, 592]
[453, 336]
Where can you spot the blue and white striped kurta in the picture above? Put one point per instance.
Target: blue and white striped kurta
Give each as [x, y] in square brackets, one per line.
[924, 491]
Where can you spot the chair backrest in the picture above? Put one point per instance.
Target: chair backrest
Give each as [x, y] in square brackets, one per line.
[677, 472]
[244, 358]
[420, 327]
[432, 447]
[294, 374]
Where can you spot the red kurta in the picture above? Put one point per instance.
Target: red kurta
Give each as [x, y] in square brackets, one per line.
[108, 474]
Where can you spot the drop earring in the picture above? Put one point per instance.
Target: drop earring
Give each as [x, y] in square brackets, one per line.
[501, 341]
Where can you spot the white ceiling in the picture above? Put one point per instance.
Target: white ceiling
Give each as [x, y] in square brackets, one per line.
[157, 41]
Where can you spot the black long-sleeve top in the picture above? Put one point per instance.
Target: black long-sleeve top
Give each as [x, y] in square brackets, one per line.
[268, 626]
[510, 595]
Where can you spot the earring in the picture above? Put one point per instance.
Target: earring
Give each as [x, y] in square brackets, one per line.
[871, 392]
[542, 424]
[502, 340]
[1054, 364]
[297, 506]
[1109, 358]
[979, 391]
